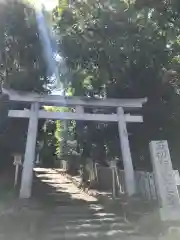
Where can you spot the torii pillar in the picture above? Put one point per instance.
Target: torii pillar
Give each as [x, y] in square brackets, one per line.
[126, 153]
[27, 173]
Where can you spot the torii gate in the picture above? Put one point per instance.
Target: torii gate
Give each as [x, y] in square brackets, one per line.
[78, 103]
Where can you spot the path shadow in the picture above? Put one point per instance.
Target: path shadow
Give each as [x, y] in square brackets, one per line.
[71, 213]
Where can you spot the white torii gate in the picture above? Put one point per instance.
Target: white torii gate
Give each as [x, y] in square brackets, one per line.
[78, 103]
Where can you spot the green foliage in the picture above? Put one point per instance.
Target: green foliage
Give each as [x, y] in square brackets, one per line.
[61, 132]
[22, 63]
[125, 49]
[48, 140]
[22, 68]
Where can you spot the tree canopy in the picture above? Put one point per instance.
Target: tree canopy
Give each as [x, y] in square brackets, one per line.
[113, 49]
[23, 67]
[125, 49]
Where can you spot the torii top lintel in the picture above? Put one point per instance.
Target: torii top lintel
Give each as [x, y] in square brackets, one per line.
[54, 100]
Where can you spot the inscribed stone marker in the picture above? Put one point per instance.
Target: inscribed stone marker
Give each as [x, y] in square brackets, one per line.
[165, 181]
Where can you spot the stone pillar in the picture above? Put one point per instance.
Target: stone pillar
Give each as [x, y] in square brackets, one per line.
[168, 195]
[126, 153]
[27, 174]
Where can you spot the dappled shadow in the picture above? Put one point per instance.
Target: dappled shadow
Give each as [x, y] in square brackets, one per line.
[18, 218]
[72, 214]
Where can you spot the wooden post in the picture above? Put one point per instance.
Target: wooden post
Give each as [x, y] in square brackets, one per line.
[17, 162]
[113, 166]
[126, 153]
[27, 174]
[16, 175]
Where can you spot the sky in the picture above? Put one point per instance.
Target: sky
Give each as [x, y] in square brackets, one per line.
[49, 4]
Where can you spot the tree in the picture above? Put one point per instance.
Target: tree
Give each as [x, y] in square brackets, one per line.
[123, 49]
[23, 67]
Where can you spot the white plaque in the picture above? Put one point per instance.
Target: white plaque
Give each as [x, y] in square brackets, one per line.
[113, 164]
[17, 159]
[177, 177]
[164, 176]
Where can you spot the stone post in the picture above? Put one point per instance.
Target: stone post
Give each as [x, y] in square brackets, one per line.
[168, 195]
[126, 153]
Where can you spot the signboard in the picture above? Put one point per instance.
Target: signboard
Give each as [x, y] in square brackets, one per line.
[113, 164]
[164, 176]
[17, 159]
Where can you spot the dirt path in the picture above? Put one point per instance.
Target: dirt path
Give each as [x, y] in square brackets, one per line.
[61, 211]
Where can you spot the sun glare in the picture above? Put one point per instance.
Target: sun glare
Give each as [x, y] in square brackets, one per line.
[48, 4]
